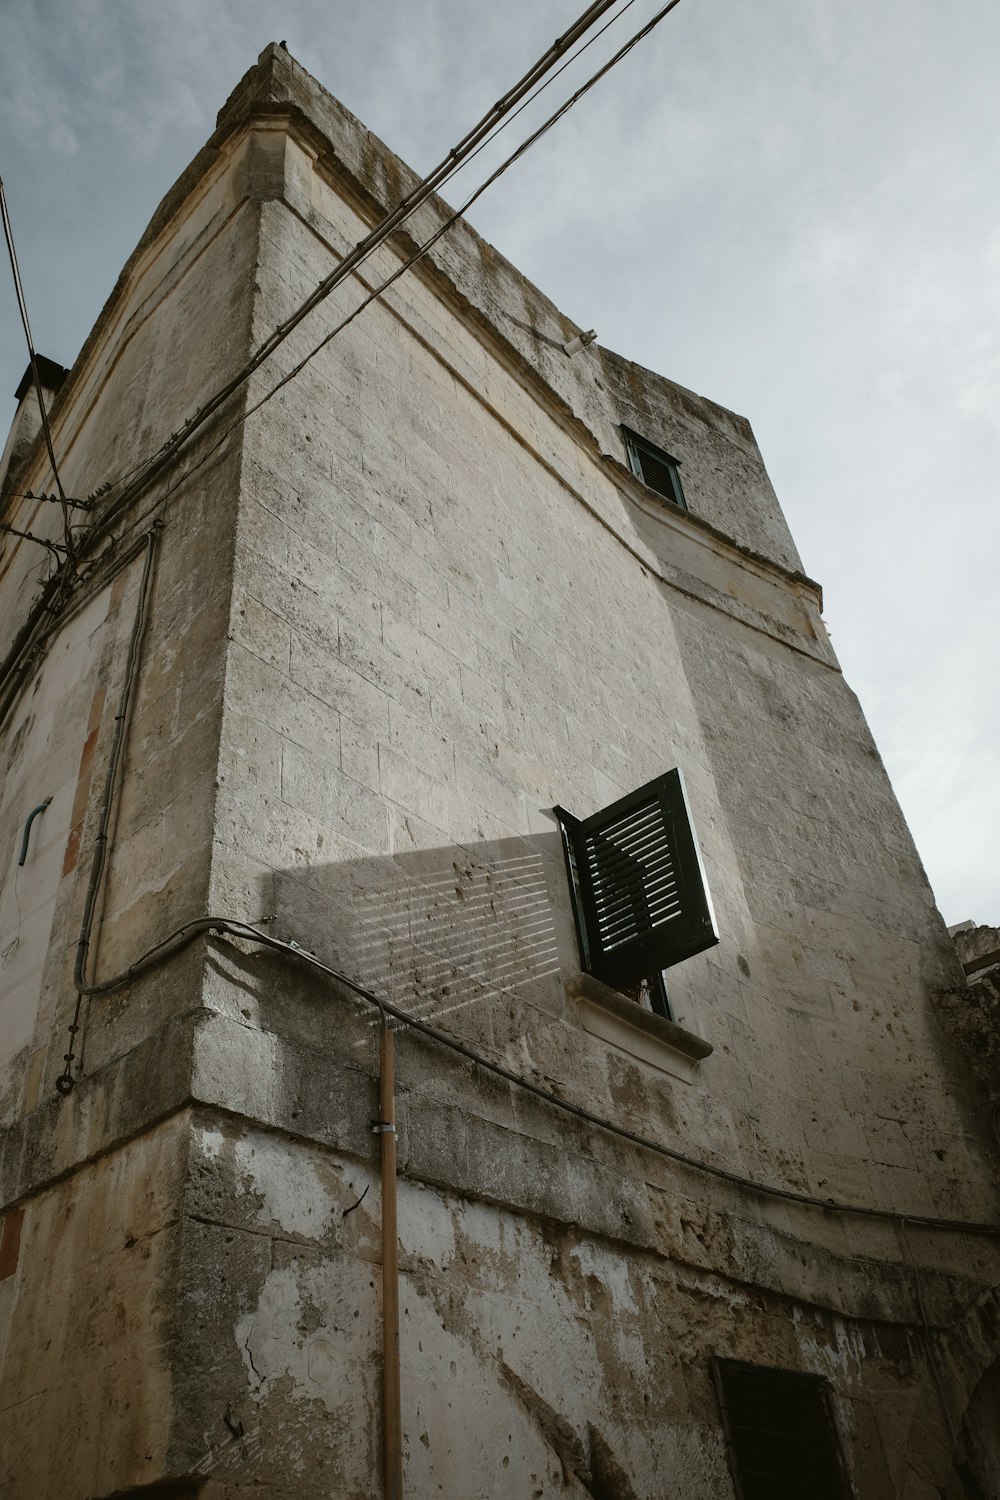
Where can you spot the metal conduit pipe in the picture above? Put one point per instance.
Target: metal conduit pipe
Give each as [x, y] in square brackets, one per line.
[123, 719]
[392, 1422]
[65, 1082]
[182, 937]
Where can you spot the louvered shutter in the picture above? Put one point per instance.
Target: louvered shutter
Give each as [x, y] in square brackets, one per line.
[657, 468]
[639, 890]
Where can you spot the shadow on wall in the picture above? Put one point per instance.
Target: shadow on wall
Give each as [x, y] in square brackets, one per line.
[981, 1435]
[436, 932]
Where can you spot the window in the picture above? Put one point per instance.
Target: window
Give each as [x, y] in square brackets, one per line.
[780, 1433]
[655, 467]
[638, 888]
[651, 994]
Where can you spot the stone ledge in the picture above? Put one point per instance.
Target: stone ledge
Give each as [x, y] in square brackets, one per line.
[612, 1016]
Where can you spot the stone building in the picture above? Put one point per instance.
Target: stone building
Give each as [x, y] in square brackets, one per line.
[973, 1009]
[330, 673]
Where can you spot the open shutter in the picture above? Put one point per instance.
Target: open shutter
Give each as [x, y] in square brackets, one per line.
[638, 886]
[657, 468]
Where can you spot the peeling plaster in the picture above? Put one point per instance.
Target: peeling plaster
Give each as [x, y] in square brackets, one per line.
[292, 1192]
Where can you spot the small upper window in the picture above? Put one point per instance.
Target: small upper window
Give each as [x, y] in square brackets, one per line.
[655, 467]
[780, 1433]
[637, 884]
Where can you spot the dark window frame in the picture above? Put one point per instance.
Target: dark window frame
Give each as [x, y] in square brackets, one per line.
[637, 883]
[792, 1393]
[662, 470]
[654, 990]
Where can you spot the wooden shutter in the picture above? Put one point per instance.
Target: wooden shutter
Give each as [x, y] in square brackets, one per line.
[639, 890]
[657, 468]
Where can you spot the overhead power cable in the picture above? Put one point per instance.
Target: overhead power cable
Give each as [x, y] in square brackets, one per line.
[408, 205]
[428, 244]
[53, 547]
[184, 936]
[48, 499]
[456, 167]
[135, 481]
[56, 591]
[33, 362]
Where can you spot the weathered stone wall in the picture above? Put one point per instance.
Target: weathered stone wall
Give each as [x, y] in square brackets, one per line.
[414, 604]
[453, 611]
[179, 320]
[972, 1010]
[86, 1325]
[90, 1285]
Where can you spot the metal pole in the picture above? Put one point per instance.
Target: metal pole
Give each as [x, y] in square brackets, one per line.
[392, 1426]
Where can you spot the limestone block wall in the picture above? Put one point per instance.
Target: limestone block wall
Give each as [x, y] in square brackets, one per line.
[413, 603]
[51, 747]
[178, 321]
[447, 619]
[87, 1325]
[452, 611]
[90, 1183]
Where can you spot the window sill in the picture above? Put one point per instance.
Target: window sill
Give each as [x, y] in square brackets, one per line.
[655, 1041]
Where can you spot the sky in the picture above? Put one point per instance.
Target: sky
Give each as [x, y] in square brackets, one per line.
[791, 207]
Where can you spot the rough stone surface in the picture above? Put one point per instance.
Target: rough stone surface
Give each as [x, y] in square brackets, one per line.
[972, 1010]
[978, 948]
[413, 603]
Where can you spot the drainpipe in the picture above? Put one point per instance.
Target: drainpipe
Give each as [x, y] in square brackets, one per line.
[392, 1426]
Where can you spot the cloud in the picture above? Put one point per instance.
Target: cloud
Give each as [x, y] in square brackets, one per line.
[791, 208]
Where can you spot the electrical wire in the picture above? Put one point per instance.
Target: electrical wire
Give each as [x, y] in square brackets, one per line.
[475, 140]
[428, 244]
[65, 1081]
[58, 586]
[122, 719]
[29, 536]
[98, 575]
[33, 361]
[50, 499]
[509, 120]
[183, 936]
[471, 143]
[457, 167]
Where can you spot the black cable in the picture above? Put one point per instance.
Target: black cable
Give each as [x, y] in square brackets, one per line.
[469, 146]
[49, 602]
[50, 499]
[32, 360]
[114, 761]
[177, 439]
[65, 1081]
[418, 255]
[182, 937]
[509, 119]
[31, 639]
